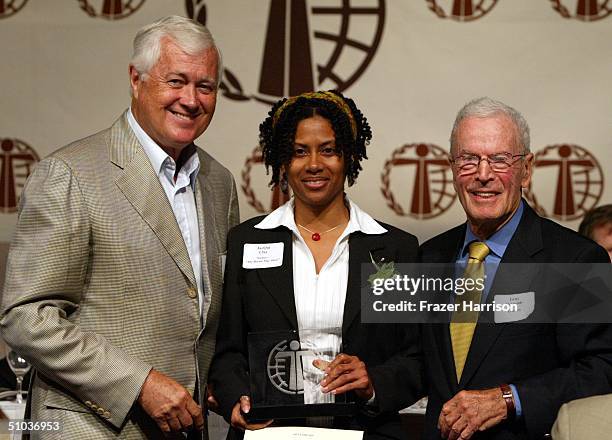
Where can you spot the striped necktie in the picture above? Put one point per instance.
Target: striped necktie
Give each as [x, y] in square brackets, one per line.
[464, 322]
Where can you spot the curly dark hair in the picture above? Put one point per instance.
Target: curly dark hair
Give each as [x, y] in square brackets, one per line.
[277, 131]
[595, 218]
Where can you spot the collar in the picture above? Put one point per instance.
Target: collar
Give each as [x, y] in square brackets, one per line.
[499, 241]
[160, 160]
[359, 220]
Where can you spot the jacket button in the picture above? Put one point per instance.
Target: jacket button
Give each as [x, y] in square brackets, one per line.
[94, 407]
[106, 415]
[88, 404]
[100, 411]
[192, 293]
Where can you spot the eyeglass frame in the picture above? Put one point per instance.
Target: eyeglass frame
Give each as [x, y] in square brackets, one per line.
[487, 158]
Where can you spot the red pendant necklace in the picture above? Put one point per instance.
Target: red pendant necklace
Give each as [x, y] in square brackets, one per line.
[316, 236]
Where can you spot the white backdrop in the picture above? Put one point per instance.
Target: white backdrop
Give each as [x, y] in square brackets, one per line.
[64, 76]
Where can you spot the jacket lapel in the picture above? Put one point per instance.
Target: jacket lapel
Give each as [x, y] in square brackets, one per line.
[525, 243]
[209, 247]
[442, 331]
[141, 187]
[278, 281]
[362, 249]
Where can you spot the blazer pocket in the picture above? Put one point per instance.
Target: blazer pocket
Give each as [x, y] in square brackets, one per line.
[519, 330]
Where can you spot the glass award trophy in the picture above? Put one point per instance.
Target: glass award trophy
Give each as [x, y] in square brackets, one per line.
[286, 369]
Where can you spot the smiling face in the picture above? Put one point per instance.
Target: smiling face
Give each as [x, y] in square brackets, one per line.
[175, 101]
[316, 172]
[489, 198]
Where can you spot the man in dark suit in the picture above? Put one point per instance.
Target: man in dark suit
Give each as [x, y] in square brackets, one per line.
[506, 380]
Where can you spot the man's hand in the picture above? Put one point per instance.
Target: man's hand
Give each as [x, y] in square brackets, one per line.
[347, 373]
[471, 411]
[238, 421]
[169, 404]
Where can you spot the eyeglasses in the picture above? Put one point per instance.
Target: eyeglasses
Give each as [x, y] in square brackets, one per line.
[499, 162]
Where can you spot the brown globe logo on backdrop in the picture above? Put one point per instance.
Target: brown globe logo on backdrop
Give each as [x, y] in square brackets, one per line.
[196, 10]
[17, 160]
[584, 10]
[276, 199]
[576, 177]
[110, 9]
[292, 61]
[11, 7]
[461, 10]
[431, 186]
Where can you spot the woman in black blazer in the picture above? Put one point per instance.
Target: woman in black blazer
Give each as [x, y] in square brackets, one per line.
[309, 275]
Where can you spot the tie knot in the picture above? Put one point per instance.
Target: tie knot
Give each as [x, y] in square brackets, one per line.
[478, 250]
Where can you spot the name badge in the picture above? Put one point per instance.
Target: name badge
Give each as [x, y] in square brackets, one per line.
[518, 306]
[262, 255]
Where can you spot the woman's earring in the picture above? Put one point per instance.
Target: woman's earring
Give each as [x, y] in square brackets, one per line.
[284, 186]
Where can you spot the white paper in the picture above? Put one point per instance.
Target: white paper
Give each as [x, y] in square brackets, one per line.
[524, 302]
[262, 255]
[302, 433]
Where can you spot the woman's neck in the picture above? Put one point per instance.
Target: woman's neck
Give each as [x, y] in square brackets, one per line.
[322, 217]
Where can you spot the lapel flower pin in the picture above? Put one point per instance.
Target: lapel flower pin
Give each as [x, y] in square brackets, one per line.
[384, 270]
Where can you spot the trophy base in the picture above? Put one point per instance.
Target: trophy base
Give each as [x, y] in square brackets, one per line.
[268, 412]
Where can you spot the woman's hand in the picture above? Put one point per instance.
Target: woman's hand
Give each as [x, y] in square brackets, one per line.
[211, 400]
[347, 373]
[238, 420]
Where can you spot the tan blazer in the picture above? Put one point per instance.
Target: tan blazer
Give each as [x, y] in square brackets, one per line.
[99, 286]
[585, 419]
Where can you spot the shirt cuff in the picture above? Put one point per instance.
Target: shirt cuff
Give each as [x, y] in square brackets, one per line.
[517, 401]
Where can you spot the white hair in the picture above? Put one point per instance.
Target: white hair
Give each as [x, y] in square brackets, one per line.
[486, 107]
[192, 37]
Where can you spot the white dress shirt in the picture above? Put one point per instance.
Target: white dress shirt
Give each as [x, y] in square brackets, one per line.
[319, 298]
[181, 195]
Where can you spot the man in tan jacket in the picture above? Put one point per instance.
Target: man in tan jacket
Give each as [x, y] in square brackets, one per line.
[584, 419]
[115, 272]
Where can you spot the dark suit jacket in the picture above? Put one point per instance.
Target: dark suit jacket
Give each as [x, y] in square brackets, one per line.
[257, 300]
[549, 364]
